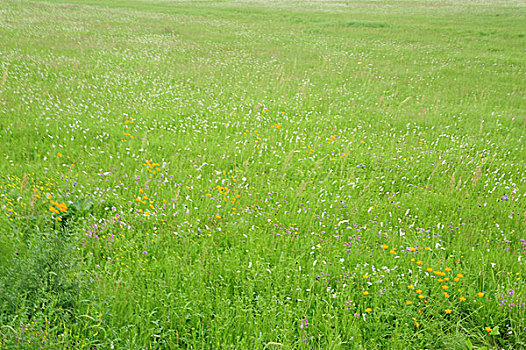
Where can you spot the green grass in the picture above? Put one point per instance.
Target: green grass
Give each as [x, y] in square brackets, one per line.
[262, 174]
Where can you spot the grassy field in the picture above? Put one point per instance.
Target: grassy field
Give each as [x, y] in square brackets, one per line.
[262, 174]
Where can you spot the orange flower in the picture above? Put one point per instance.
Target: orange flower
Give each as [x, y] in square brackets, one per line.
[409, 302]
[480, 294]
[488, 329]
[462, 299]
[448, 311]
[368, 310]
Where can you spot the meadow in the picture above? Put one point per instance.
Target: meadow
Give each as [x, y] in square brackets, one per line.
[262, 174]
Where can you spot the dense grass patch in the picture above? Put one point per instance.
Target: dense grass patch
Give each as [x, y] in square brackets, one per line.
[262, 175]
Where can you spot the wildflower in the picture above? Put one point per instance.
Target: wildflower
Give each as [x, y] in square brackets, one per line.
[447, 269]
[448, 311]
[427, 248]
[62, 206]
[429, 269]
[446, 294]
[365, 293]
[409, 302]
[420, 296]
[445, 287]
[419, 262]
[304, 323]
[456, 279]
[488, 329]
[419, 291]
[462, 299]
[218, 216]
[411, 286]
[385, 246]
[368, 310]
[459, 275]
[480, 294]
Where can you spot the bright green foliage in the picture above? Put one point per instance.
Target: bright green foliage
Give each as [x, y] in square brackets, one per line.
[262, 174]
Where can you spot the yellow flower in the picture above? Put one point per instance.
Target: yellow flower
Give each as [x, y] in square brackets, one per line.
[459, 275]
[440, 280]
[445, 287]
[480, 294]
[365, 276]
[456, 279]
[412, 249]
[419, 291]
[392, 251]
[488, 329]
[446, 295]
[62, 206]
[462, 299]
[420, 296]
[427, 248]
[429, 269]
[60, 154]
[368, 310]
[218, 216]
[365, 293]
[448, 311]
[409, 302]
[411, 286]
[447, 269]
[419, 262]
